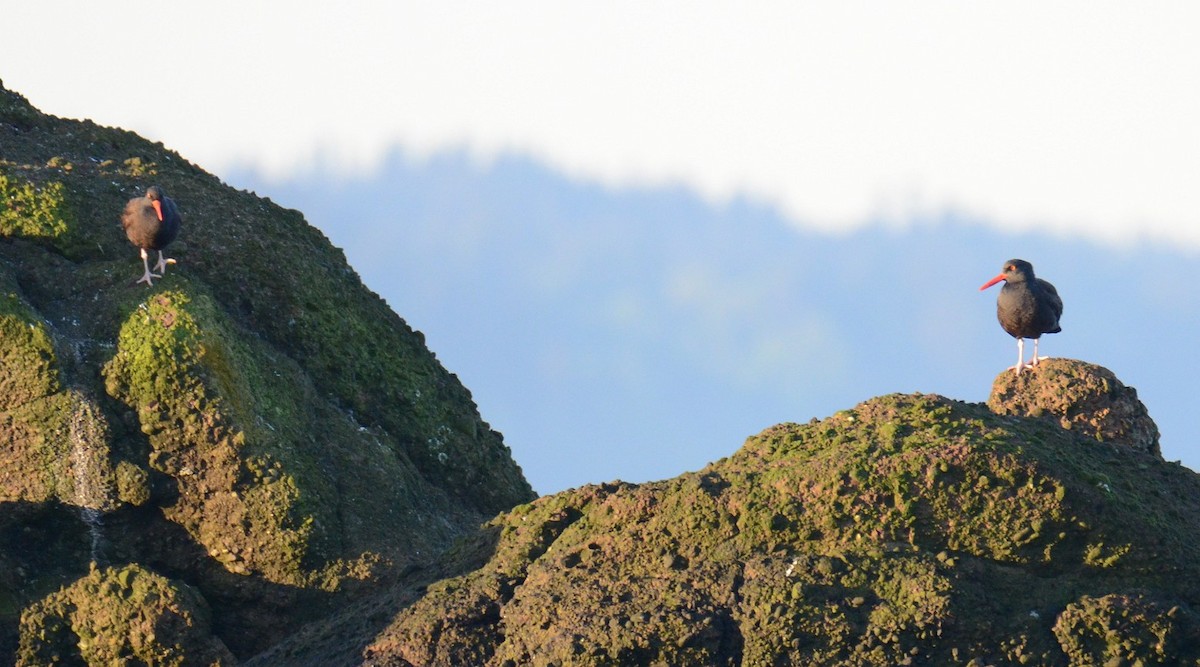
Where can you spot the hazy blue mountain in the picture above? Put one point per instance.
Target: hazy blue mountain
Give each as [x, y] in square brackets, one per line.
[593, 325]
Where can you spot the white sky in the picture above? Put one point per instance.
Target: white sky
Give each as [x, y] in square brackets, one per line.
[1080, 116]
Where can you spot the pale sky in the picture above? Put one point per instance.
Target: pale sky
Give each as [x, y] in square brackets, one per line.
[1083, 117]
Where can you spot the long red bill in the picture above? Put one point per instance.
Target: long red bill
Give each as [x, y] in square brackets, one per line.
[157, 208]
[989, 283]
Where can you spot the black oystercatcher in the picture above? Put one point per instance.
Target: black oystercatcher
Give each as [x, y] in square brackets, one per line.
[151, 223]
[1027, 307]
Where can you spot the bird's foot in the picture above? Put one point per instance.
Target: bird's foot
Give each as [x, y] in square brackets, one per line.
[161, 265]
[1019, 367]
[146, 278]
[1032, 365]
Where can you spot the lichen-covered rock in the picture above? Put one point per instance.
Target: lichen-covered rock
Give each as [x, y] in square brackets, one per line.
[1081, 396]
[909, 530]
[121, 616]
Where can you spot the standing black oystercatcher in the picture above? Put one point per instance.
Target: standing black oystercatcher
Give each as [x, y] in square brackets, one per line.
[1027, 307]
[151, 223]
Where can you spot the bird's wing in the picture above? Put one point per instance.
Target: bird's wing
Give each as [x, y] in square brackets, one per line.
[1054, 298]
[170, 210]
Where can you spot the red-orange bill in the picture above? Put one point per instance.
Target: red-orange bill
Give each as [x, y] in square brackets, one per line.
[991, 282]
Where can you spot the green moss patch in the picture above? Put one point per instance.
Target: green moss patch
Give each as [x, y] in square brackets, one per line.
[257, 423]
[27, 367]
[1127, 629]
[31, 212]
[55, 442]
[910, 530]
[203, 404]
[125, 615]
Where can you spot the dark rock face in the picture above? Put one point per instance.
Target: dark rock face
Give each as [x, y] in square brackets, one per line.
[257, 429]
[1080, 396]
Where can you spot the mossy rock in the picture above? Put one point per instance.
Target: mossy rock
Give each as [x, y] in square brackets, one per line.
[199, 398]
[1128, 629]
[121, 616]
[31, 212]
[1081, 396]
[27, 370]
[133, 484]
[270, 433]
[55, 441]
[910, 530]
[257, 422]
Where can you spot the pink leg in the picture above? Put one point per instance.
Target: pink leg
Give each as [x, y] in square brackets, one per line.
[147, 275]
[161, 266]
[1036, 358]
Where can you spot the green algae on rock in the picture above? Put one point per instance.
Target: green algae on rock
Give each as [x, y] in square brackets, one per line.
[55, 440]
[27, 369]
[176, 367]
[258, 425]
[30, 212]
[910, 530]
[284, 449]
[1131, 629]
[121, 616]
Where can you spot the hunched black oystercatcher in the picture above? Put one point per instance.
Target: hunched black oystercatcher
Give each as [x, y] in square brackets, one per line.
[1027, 307]
[151, 223]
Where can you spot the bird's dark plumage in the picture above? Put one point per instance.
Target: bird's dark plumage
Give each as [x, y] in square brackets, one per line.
[152, 222]
[1027, 306]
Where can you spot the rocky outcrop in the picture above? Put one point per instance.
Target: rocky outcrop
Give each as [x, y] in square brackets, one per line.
[124, 615]
[1080, 396]
[912, 529]
[257, 428]
[287, 476]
